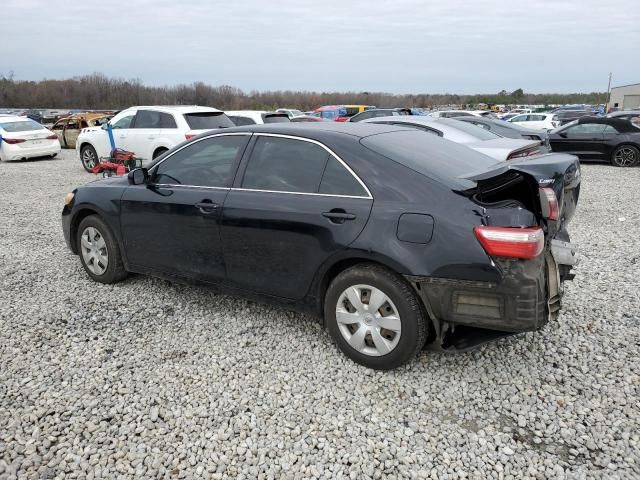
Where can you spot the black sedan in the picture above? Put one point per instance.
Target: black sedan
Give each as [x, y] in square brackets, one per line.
[394, 237]
[614, 140]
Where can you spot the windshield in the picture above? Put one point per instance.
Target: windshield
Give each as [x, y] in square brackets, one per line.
[207, 120]
[470, 129]
[430, 155]
[21, 126]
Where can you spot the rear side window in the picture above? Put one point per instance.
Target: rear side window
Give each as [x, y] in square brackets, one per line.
[206, 163]
[207, 120]
[242, 121]
[284, 118]
[337, 180]
[470, 129]
[285, 165]
[431, 156]
[21, 126]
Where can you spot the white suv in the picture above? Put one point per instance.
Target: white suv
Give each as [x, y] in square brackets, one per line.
[148, 131]
[540, 121]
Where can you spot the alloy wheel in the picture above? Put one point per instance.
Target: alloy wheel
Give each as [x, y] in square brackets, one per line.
[89, 158]
[94, 251]
[368, 320]
[625, 157]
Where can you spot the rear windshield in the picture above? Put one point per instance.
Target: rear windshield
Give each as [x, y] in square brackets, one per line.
[470, 129]
[430, 155]
[280, 118]
[207, 120]
[21, 126]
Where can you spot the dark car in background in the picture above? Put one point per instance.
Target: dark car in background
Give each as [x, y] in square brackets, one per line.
[566, 116]
[508, 130]
[614, 140]
[394, 237]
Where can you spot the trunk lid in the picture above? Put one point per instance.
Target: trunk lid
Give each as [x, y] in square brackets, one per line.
[519, 182]
[503, 148]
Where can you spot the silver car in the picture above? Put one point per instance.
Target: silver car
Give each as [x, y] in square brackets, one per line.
[470, 135]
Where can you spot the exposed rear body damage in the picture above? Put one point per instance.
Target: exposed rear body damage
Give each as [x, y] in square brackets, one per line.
[541, 192]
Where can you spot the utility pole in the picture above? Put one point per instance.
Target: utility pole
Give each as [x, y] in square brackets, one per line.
[606, 107]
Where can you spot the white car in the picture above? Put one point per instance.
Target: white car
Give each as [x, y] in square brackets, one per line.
[291, 112]
[22, 138]
[540, 121]
[148, 131]
[472, 136]
[256, 117]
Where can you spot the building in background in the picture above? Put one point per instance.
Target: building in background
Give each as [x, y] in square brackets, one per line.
[626, 97]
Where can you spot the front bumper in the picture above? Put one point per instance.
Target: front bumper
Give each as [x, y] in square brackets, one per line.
[66, 227]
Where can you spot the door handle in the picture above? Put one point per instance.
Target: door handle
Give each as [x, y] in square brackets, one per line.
[337, 215]
[207, 207]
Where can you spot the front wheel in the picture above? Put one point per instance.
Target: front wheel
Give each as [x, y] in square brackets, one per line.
[99, 251]
[375, 317]
[625, 156]
[88, 157]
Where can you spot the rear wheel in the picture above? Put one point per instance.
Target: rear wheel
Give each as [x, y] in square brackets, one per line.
[88, 157]
[99, 251]
[625, 156]
[375, 317]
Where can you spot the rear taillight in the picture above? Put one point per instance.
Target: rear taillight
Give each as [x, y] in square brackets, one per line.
[189, 136]
[52, 137]
[13, 141]
[524, 153]
[549, 204]
[523, 243]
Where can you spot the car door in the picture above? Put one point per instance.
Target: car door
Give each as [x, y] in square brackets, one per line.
[294, 204]
[171, 224]
[582, 139]
[145, 128]
[71, 132]
[120, 126]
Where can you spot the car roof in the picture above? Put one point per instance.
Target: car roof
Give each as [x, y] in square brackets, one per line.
[621, 124]
[14, 118]
[315, 130]
[176, 108]
[620, 113]
[437, 123]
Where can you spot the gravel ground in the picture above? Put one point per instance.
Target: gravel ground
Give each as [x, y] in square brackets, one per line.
[148, 379]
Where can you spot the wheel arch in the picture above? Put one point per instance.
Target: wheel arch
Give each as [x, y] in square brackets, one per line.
[332, 269]
[159, 150]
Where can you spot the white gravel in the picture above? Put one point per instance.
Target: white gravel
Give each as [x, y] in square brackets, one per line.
[147, 379]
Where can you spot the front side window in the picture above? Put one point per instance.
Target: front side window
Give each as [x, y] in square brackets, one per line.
[520, 118]
[206, 163]
[285, 165]
[124, 122]
[585, 129]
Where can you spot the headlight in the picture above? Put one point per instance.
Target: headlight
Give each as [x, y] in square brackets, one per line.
[68, 198]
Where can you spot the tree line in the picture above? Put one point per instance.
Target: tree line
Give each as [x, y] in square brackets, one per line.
[99, 92]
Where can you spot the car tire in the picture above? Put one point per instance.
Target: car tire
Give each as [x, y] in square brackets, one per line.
[99, 251]
[158, 152]
[625, 156]
[369, 337]
[88, 157]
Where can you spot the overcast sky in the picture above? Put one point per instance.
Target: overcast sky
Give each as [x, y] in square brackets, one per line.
[399, 46]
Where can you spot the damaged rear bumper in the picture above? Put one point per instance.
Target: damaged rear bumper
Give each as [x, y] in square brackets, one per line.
[525, 299]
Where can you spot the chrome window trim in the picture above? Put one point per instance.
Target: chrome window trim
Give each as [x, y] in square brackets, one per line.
[331, 152]
[293, 137]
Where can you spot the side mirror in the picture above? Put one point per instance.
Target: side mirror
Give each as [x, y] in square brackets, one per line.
[138, 176]
[104, 126]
